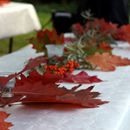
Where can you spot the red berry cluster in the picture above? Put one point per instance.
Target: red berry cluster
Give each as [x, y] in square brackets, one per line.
[61, 70]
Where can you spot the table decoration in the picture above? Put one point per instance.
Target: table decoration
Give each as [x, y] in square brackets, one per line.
[35, 87]
[42, 73]
[42, 78]
[41, 116]
[90, 50]
[92, 41]
[45, 39]
[100, 30]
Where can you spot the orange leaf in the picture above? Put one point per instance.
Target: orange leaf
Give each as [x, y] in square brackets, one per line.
[4, 125]
[107, 61]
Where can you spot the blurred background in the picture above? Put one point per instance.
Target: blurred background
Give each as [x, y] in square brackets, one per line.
[44, 10]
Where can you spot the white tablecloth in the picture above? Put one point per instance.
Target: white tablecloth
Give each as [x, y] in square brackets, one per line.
[17, 18]
[112, 116]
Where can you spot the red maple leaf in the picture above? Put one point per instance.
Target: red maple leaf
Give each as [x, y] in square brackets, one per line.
[80, 78]
[4, 125]
[39, 88]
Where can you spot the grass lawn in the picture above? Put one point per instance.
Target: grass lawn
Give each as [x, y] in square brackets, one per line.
[44, 13]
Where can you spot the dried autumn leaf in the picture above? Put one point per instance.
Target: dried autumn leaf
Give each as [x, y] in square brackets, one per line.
[4, 125]
[80, 78]
[39, 88]
[107, 61]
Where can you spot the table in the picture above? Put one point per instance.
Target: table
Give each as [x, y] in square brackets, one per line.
[17, 18]
[112, 116]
